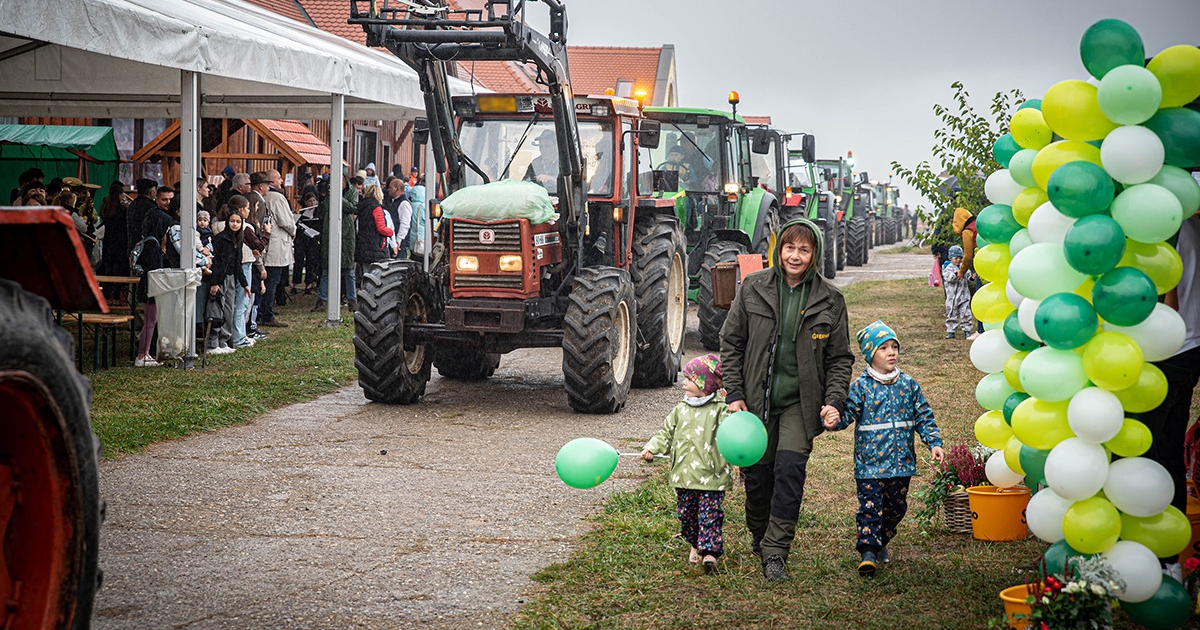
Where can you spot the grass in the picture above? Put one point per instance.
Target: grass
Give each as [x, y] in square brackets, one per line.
[135, 407]
[630, 572]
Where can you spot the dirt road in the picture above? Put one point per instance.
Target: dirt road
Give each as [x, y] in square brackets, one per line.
[339, 513]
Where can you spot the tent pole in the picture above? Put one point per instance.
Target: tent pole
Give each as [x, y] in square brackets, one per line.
[189, 152]
[334, 235]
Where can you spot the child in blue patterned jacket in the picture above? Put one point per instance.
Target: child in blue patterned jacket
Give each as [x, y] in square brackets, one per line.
[889, 408]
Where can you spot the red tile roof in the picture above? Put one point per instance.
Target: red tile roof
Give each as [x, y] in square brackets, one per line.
[597, 68]
[285, 8]
[299, 139]
[499, 76]
[330, 16]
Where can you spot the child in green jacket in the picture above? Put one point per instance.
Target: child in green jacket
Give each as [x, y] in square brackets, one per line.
[698, 472]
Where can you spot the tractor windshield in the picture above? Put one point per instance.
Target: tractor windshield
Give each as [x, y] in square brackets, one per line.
[515, 149]
[693, 151]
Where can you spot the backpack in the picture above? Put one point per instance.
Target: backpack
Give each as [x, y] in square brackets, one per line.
[135, 255]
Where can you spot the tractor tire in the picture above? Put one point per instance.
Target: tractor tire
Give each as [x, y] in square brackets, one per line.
[871, 221]
[711, 317]
[50, 506]
[856, 241]
[770, 229]
[829, 238]
[841, 250]
[891, 230]
[393, 293]
[464, 363]
[659, 275]
[599, 334]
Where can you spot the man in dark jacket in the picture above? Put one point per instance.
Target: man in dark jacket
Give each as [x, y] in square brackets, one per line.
[349, 203]
[785, 355]
[136, 213]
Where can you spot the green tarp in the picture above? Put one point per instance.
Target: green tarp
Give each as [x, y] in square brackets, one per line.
[49, 147]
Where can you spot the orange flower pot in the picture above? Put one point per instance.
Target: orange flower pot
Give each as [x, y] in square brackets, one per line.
[1014, 604]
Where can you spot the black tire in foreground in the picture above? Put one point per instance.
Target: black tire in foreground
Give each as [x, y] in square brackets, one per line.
[464, 363]
[51, 525]
[599, 332]
[841, 250]
[856, 241]
[711, 317]
[659, 275]
[829, 238]
[393, 294]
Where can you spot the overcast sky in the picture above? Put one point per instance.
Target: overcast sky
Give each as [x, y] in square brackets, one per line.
[863, 75]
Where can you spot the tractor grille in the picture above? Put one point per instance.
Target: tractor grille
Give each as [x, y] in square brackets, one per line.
[507, 237]
[463, 281]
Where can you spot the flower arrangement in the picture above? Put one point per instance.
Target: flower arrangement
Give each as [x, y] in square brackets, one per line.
[963, 467]
[1078, 598]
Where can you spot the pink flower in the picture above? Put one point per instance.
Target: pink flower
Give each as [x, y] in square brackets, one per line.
[1191, 563]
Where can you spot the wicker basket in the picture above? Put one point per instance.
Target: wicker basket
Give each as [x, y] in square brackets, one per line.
[957, 508]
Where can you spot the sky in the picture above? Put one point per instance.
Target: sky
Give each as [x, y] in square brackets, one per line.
[863, 75]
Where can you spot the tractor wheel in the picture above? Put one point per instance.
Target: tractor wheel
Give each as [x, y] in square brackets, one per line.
[50, 506]
[599, 332]
[659, 275]
[464, 363]
[856, 241]
[871, 221]
[711, 317]
[891, 230]
[393, 294]
[829, 239]
[765, 241]
[841, 251]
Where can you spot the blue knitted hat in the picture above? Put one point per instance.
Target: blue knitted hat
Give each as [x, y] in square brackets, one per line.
[874, 336]
[956, 251]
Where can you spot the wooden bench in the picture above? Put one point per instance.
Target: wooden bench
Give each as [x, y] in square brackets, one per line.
[104, 335]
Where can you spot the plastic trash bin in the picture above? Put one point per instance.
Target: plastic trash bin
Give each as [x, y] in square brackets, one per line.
[174, 290]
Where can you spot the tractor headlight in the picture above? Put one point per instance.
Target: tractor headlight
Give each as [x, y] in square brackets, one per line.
[731, 188]
[510, 262]
[466, 263]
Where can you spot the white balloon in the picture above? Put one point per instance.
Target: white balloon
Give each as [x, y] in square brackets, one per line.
[1048, 225]
[1026, 316]
[1159, 336]
[1002, 189]
[1076, 469]
[1095, 415]
[1019, 241]
[1137, 486]
[999, 473]
[1138, 567]
[1132, 154]
[990, 350]
[1014, 298]
[1044, 514]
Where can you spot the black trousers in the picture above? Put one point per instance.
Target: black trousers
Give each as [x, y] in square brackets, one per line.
[1168, 422]
[775, 485]
[882, 504]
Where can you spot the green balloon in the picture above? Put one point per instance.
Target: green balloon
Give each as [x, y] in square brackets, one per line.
[1181, 184]
[1147, 213]
[1124, 296]
[1004, 148]
[1129, 95]
[585, 462]
[1017, 337]
[992, 390]
[1065, 321]
[1094, 244]
[1056, 556]
[1020, 167]
[1010, 404]
[996, 223]
[1108, 44]
[1080, 188]
[1035, 103]
[992, 325]
[1033, 462]
[1179, 130]
[1170, 607]
[1052, 375]
[742, 439]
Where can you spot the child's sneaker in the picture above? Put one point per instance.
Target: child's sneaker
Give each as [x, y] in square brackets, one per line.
[949, 335]
[147, 362]
[710, 564]
[882, 556]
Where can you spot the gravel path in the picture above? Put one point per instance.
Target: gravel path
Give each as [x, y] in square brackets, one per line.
[338, 513]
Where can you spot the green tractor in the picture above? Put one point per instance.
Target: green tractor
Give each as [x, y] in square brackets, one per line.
[705, 162]
[836, 202]
[888, 224]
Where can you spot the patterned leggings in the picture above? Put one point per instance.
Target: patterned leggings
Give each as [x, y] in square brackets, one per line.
[881, 506]
[700, 518]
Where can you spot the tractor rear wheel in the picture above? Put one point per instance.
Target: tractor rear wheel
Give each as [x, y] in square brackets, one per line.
[829, 240]
[841, 251]
[598, 340]
[50, 506]
[856, 241]
[394, 293]
[765, 240]
[659, 275]
[464, 363]
[711, 317]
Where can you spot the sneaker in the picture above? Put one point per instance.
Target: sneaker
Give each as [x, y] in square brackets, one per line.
[949, 335]
[256, 334]
[247, 343]
[694, 556]
[973, 336]
[1175, 570]
[756, 548]
[221, 350]
[775, 569]
[882, 556]
[866, 567]
[710, 564]
[318, 307]
[147, 362]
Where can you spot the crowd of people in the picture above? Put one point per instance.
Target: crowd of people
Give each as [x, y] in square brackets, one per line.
[257, 247]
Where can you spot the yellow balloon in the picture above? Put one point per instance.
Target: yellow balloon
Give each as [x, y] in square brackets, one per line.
[1178, 72]
[992, 431]
[1029, 129]
[1058, 153]
[1012, 370]
[991, 262]
[1166, 533]
[1012, 455]
[1040, 424]
[1091, 525]
[1112, 361]
[1132, 440]
[1072, 111]
[1160, 261]
[1026, 202]
[990, 303]
[1149, 391]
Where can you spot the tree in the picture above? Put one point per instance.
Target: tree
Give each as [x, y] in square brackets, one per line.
[963, 149]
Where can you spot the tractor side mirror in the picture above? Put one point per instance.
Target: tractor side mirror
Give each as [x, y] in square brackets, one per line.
[760, 141]
[649, 133]
[666, 181]
[420, 130]
[808, 148]
[826, 174]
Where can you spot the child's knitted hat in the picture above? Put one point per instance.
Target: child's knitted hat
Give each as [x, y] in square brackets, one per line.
[705, 372]
[874, 336]
[956, 251]
[202, 215]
